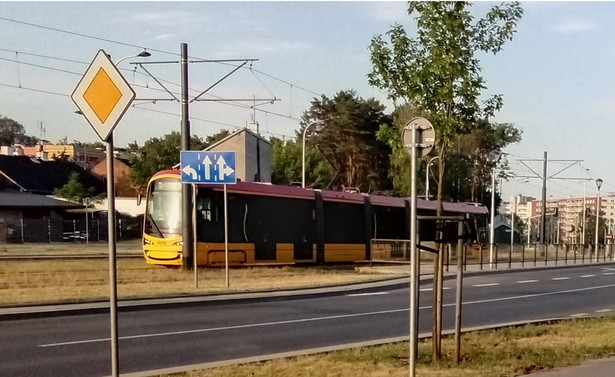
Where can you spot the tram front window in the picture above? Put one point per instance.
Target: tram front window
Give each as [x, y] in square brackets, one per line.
[163, 217]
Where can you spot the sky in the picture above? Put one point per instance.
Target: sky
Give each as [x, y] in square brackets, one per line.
[557, 75]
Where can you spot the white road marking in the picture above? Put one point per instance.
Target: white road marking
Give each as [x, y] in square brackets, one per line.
[314, 319]
[526, 281]
[604, 310]
[608, 273]
[580, 315]
[587, 276]
[367, 294]
[431, 289]
[562, 278]
[486, 285]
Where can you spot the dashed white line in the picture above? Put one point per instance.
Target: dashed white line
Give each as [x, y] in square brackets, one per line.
[587, 276]
[486, 285]
[367, 294]
[580, 315]
[608, 273]
[526, 281]
[604, 310]
[562, 278]
[431, 289]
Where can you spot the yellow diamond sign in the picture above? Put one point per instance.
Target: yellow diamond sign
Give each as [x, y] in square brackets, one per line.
[103, 95]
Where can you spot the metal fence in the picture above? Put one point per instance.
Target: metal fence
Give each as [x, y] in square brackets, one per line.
[499, 256]
[507, 255]
[48, 230]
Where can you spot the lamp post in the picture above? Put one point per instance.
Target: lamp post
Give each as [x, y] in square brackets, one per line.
[427, 176]
[303, 150]
[492, 228]
[584, 208]
[598, 185]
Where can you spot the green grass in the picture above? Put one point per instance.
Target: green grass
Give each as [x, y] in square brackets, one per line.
[506, 352]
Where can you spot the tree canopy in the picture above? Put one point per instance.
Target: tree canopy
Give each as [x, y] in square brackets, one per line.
[158, 154]
[12, 132]
[344, 130]
[74, 190]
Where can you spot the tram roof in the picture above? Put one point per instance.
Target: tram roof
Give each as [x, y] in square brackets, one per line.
[332, 195]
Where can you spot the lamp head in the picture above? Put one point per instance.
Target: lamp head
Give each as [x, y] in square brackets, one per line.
[598, 183]
[144, 54]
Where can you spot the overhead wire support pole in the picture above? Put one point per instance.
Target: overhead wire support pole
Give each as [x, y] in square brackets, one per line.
[219, 81]
[187, 232]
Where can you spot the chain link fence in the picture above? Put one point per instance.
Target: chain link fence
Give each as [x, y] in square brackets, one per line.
[50, 231]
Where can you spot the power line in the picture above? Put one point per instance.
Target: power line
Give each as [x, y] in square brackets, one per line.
[144, 48]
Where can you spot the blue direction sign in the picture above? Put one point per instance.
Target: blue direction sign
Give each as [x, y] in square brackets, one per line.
[208, 167]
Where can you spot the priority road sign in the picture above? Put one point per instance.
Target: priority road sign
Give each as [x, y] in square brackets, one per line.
[103, 95]
[208, 167]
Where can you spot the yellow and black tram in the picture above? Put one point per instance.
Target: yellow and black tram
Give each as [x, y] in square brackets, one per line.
[280, 224]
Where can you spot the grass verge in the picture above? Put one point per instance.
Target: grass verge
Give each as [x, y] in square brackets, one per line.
[505, 352]
[28, 282]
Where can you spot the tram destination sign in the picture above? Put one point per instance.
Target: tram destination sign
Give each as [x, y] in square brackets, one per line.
[208, 167]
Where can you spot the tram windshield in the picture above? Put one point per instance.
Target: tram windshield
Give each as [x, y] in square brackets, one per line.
[163, 214]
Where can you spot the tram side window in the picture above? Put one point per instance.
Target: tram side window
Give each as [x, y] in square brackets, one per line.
[205, 209]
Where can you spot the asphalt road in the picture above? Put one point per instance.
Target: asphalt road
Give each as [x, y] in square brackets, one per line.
[168, 336]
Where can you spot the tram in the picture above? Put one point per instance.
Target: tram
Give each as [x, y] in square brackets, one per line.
[281, 224]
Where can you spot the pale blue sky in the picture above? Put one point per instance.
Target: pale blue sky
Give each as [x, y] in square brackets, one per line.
[556, 75]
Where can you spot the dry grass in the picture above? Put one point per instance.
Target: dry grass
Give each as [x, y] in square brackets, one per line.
[73, 280]
[495, 353]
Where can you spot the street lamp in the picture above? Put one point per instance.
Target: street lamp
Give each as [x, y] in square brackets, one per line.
[303, 150]
[427, 177]
[142, 54]
[598, 184]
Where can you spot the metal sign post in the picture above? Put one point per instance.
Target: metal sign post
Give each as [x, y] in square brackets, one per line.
[210, 167]
[418, 137]
[103, 96]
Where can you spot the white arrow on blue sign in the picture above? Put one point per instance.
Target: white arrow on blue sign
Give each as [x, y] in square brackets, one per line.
[208, 167]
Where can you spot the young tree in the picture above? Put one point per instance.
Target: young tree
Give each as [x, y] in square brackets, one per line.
[438, 72]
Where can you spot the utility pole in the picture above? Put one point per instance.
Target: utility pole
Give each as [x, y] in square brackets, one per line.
[188, 249]
[544, 177]
[543, 218]
[187, 233]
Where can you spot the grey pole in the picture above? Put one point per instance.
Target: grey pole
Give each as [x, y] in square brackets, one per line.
[413, 261]
[584, 206]
[459, 293]
[187, 234]
[598, 184]
[492, 214]
[112, 260]
[226, 261]
[543, 215]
